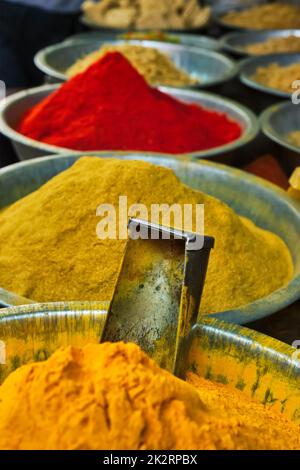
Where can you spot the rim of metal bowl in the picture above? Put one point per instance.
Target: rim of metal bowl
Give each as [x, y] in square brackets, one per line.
[40, 59]
[282, 351]
[277, 300]
[250, 82]
[270, 132]
[247, 136]
[270, 33]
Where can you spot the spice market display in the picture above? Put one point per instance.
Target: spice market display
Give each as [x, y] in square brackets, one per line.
[149, 230]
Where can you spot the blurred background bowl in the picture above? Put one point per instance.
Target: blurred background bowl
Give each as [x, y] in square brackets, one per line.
[222, 7]
[266, 205]
[90, 25]
[209, 67]
[13, 108]
[236, 42]
[249, 66]
[259, 366]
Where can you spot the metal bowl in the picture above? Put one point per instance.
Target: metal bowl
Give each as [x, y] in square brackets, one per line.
[268, 206]
[191, 40]
[278, 121]
[221, 11]
[257, 365]
[208, 67]
[236, 43]
[13, 108]
[249, 66]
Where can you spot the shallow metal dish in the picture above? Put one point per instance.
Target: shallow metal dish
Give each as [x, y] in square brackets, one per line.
[208, 67]
[191, 40]
[238, 41]
[278, 121]
[249, 66]
[221, 11]
[264, 369]
[13, 108]
[262, 202]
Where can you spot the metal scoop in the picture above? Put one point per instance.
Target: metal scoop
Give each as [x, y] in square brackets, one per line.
[158, 292]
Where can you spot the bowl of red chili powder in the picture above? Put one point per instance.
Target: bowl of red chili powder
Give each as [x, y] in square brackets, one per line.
[111, 107]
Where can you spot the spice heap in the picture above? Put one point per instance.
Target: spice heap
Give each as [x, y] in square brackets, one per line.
[269, 168]
[111, 107]
[275, 45]
[112, 396]
[151, 36]
[280, 78]
[294, 189]
[146, 14]
[54, 254]
[156, 67]
[276, 15]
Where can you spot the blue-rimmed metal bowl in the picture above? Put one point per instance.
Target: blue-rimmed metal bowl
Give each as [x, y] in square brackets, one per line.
[264, 369]
[237, 42]
[210, 68]
[13, 108]
[262, 202]
[279, 120]
[249, 66]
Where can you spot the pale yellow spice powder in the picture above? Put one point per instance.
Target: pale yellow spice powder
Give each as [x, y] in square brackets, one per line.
[112, 396]
[49, 250]
[278, 77]
[277, 15]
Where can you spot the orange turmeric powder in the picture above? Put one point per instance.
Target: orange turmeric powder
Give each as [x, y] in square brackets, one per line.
[113, 396]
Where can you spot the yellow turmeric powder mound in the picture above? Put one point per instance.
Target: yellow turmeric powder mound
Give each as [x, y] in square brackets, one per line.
[112, 396]
[49, 250]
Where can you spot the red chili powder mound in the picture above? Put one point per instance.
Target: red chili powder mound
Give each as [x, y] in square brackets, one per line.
[111, 107]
